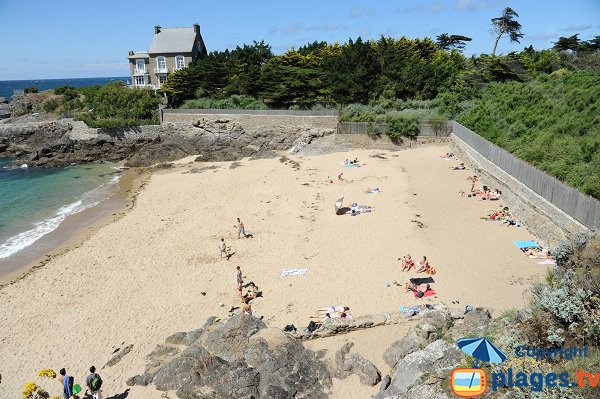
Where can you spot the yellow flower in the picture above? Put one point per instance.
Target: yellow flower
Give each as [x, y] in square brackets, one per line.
[47, 373]
[30, 389]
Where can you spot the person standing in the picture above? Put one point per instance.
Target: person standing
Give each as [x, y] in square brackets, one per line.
[223, 249]
[67, 383]
[240, 227]
[240, 280]
[94, 383]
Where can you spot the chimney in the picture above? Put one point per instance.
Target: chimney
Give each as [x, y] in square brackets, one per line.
[156, 29]
[197, 29]
[130, 53]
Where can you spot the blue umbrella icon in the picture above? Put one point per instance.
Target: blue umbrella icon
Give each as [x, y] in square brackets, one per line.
[481, 349]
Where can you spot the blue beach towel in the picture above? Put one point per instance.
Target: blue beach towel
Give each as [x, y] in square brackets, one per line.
[527, 244]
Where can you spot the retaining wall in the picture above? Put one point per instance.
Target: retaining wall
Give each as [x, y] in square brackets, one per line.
[253, 120]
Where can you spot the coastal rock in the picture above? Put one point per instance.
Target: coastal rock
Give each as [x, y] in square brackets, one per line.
[428, 366]
[240, 358]
[434, 325]
[399, 349]
[116, 359]
[355, 364]
[473, 323]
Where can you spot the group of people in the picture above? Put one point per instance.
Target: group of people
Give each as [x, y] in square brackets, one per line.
[93, 384]
[225, 250]
[422, 266]
[252, 291]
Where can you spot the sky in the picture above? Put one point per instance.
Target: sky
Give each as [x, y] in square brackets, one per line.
[44, 39]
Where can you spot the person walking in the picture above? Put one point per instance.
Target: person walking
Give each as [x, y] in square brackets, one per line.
[94, 383]
[223, 249]
[240, 227]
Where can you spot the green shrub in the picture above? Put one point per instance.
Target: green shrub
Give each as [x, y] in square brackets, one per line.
[233, 102]
[50, 106]
[31, 89]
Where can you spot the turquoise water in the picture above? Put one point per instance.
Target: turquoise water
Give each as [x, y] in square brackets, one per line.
[34, 201]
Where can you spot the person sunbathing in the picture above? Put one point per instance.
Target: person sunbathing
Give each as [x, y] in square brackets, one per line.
[537, 253]
[407, 262]
[333, 309]
[423, 266]
[375, 190]
[247, 309]
[410, 286]
[333, 315]
[458, 167]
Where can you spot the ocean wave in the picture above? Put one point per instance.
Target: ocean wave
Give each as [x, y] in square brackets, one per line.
[89, 199]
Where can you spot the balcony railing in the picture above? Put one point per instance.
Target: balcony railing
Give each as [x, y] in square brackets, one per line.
[138, 72]
[176, 68]
[161, 70]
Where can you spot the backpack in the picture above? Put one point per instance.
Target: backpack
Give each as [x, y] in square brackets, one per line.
[96, 382]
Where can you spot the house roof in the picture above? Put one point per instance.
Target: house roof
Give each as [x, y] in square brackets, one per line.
[173, 40]
[139, 54]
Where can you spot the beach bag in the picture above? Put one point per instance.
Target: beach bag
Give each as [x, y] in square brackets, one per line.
[431, 271]
[96, 383]
[312, 326]
[290, 328]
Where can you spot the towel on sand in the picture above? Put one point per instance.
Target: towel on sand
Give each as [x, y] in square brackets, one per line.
[293, 272]
[547, 262]
[429, 292]
[527, 244]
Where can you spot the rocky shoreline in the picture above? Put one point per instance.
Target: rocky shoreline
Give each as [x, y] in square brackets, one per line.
[41, 141]
[243, 357]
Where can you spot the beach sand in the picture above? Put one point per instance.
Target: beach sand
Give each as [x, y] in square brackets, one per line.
[139, 279]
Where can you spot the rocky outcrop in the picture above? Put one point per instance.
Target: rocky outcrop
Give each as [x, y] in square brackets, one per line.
[354, 363]
[240, 358]
[64, 141]
[420, 373]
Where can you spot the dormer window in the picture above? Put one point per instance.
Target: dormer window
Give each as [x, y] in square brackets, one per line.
[179, 62]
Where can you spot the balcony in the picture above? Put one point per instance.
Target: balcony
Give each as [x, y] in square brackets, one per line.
[140, 72]
[161, 70]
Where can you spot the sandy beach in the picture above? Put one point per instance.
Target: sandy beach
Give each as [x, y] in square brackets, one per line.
[139, 278]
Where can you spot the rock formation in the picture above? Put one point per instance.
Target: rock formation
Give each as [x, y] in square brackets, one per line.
[240, 358]
[61, 142]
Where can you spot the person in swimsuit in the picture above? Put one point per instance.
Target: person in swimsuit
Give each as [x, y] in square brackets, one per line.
[407, 263]
[423, 265]
[416, 288]
[240, 227]
[223, 249]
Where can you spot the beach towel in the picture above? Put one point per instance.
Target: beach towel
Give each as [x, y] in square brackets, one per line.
[429, 292]
[293, 272]
[527, 244]
[413, 311]
[547, 262]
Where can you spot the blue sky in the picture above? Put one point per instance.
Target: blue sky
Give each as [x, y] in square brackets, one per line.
[63, 39]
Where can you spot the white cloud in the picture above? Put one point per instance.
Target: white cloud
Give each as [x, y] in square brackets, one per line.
[432, 8]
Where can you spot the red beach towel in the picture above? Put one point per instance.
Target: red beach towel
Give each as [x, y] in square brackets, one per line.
[429, 292]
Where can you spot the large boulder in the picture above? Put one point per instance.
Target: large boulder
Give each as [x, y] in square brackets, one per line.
[408, 344]
[355, 364]
[427, 366]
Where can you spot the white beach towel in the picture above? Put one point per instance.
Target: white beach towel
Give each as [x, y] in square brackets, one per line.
[293, 272]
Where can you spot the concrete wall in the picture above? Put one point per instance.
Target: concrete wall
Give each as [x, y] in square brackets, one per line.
[254, 120]
[426, 128]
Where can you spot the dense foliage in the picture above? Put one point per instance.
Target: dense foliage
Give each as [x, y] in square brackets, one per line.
[112, 105]
[320, 73]
[553, 122]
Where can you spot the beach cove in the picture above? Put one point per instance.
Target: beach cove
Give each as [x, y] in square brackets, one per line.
[140, 278]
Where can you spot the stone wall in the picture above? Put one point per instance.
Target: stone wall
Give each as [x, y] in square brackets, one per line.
[384, 142]
[540, 217]
[255, 122]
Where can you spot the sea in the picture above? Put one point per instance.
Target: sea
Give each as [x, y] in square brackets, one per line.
[7, 86]
[35, 201]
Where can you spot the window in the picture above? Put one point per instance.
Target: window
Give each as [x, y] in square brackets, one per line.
[140, 80]
[140, 65]
[162, 78]
[179, 62]
[161, 63]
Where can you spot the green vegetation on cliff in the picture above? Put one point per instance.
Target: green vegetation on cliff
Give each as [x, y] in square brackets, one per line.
[552, 122]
